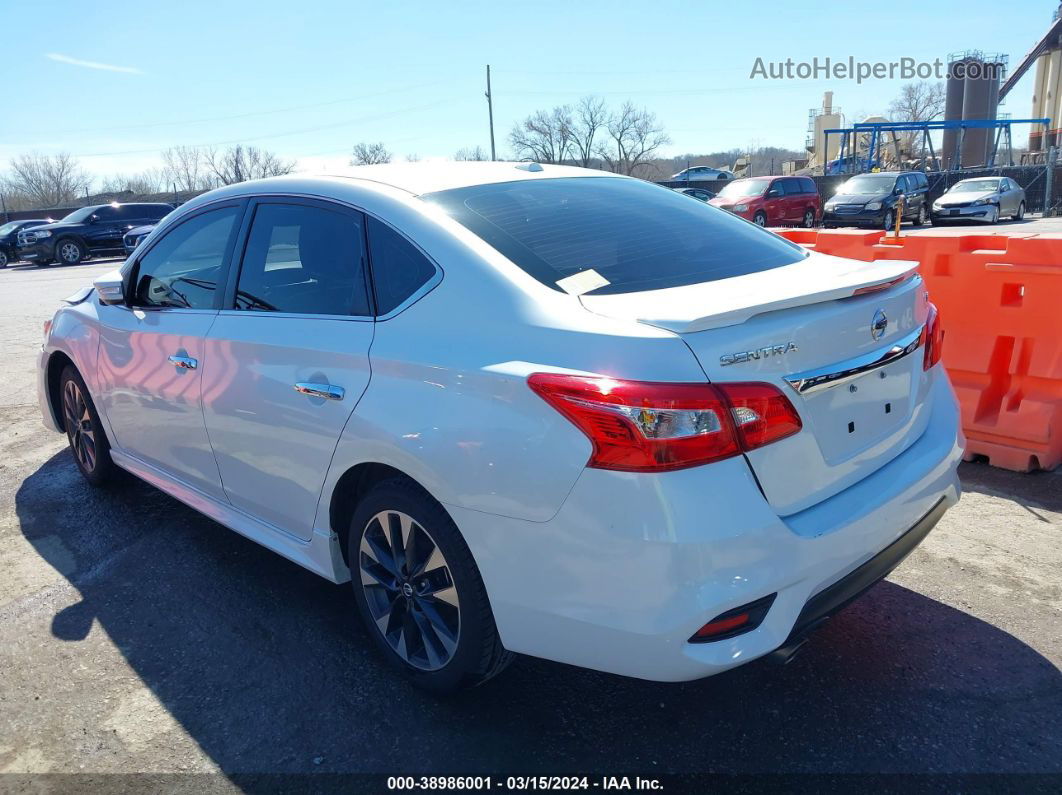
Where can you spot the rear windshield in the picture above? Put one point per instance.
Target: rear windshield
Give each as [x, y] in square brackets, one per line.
[637, 235]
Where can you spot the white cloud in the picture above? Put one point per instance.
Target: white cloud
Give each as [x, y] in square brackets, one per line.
[106, 67]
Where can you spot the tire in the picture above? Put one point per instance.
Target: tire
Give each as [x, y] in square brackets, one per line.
[438, 631]
[3, 258]
[889, 220]
[1020, 215]
[760, 218]
[84, 432]
[69, 251]
[809, 218]
[920, 219]
[995, 214]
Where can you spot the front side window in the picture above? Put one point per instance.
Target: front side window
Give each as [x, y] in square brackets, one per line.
[398, 268]
[304, 259]
[182, 270]
[636, 235]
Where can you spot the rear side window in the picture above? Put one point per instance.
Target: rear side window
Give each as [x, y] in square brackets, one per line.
[792, 187]
[398, 268]
[809, 185]
[304, 259]
[181, 271]
[637, 235]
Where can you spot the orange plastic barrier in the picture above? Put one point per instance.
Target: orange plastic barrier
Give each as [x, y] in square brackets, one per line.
[1000, 299]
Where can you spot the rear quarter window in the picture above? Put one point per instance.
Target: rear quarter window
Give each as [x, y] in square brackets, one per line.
[637, 235]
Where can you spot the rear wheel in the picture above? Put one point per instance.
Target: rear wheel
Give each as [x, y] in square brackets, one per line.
[70, 252]
[419, 592]
[1020, 215]
[760, 218]
[809, 218]
[88, 442]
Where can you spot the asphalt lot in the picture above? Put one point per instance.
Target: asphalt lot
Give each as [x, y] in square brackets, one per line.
[139, 636]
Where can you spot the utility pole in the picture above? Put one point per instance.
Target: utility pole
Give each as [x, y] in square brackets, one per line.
[490, 112]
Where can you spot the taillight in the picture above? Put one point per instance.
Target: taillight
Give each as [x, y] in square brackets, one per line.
[639, 426]
[932, 338]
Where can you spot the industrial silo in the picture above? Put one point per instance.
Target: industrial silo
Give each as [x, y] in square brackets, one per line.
[979, 101]
[952, 111]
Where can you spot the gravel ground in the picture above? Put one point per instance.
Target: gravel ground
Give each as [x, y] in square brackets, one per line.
[138, 636]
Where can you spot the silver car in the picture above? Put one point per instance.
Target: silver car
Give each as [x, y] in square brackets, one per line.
[984, 199]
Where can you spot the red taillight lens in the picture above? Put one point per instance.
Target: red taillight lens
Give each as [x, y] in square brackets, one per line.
[932, 339]
[638, 426]
[721, 625]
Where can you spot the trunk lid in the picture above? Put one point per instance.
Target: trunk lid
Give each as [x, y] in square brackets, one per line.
[850, 363]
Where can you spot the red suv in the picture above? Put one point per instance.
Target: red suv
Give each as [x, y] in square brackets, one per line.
[772, 201]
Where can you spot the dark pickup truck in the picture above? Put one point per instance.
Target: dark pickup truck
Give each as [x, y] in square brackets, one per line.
[97, 229]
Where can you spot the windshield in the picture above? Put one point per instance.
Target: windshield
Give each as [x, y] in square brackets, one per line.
[975, 186]
[636, 235]
[868, 183]
[744, 187]
[8, 228]
[79, 215]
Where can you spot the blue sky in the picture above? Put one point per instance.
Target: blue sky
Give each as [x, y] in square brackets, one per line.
[115, 84]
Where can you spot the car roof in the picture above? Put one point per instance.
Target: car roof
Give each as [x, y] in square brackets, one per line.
[421, 178]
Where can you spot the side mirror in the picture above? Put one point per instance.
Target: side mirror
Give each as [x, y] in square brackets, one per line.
[773, 193]
[93, 219]
[110, 288]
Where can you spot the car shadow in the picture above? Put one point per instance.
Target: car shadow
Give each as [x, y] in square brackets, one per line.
[262, 665]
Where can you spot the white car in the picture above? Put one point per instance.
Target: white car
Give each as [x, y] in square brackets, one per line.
[524, 408]
[984, 199]
[702, 173]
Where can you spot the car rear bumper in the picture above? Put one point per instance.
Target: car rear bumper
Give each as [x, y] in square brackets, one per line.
[632, 565]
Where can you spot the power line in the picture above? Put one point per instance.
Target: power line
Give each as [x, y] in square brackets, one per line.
[245, 139]
[249, 114]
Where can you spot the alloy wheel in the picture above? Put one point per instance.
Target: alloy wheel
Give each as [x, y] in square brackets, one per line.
[3, 258]
[409, 590]
[809, 219]
[79, 426]
[69, 252]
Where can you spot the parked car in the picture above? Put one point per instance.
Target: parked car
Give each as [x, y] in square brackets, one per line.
[522, 408]
[96, 229]
[697, 193]
[9, 238]
[772, 201]
[135, 236]
[702, 173]
[872, 199]
[984, 199]
[847, 165]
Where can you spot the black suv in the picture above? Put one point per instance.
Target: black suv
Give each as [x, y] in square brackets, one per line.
[90, 230]
[9, 238]
[872, 199]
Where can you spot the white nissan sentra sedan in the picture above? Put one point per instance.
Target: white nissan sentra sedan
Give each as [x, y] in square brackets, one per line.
[524, 409]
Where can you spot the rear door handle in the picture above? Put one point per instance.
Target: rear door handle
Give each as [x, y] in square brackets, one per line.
[184, 362]
[326, 391]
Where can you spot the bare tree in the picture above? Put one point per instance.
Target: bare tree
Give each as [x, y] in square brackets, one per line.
[186, 167]
[366, 154]
[475, 153]
[588, 119]
[45, 180]
[412, 157]
[240, 163]
[545, 136]
[918, 102]
[143, 184]
[635, 137]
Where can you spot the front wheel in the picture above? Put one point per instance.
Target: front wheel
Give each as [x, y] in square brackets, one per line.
[1020, 215]
[3, 258]
[920, 220]
[760, 219]
[889, 220]
[993, 215]
[419, 592]
[88, 442]
[70, 252]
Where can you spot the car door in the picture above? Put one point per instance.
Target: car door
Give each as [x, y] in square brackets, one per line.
[1008, 200]
[152, 350]
[288, 358]
[102, 230]
[774, 203]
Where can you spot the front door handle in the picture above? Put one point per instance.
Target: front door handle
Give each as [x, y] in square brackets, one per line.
[326, 391]
[184, 362]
